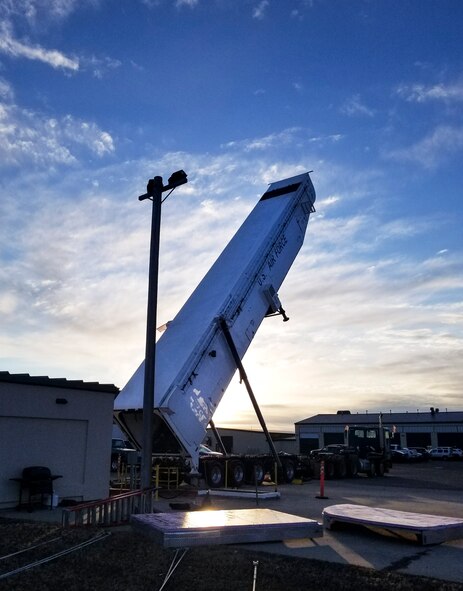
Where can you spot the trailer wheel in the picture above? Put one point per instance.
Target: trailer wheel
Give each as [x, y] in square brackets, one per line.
[236, 473]
[372, 470]
[254, 472]
[315, 469]
[341, 468]
[380, 469]
[353, 467]
[258, 473]
[215, 473]
[288, 471]
[329, 470]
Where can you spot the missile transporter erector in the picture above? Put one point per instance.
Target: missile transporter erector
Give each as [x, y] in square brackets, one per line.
[198, 354]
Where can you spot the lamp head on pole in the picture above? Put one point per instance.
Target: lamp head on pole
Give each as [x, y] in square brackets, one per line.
[176, 179]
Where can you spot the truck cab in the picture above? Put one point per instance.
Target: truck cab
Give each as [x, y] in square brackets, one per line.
[372, 445]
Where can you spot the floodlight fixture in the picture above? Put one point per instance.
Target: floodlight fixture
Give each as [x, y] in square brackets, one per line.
[155, 186]
[176, 179]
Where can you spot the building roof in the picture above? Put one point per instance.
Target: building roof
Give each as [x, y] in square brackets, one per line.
[25, 378]
[394, 418]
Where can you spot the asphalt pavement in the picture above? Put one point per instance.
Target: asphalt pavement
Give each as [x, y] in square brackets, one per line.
[434, 488]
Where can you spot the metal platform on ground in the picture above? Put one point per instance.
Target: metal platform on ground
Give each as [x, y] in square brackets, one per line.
[426, 529]
[237, 526]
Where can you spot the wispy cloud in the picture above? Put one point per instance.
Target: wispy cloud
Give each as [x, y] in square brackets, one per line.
[6, 90]
[353, 106]
[35, 10]
[419, 93]
[21, 49]
[289, 136]
[259, 10]
[433, 149]
[299, 13]
[27, 137]
[331, 138]
[99, 66]
[327, 201]
[263, 143]
[190, 3]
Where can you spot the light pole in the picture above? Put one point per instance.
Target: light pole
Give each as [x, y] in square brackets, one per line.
[154, 191]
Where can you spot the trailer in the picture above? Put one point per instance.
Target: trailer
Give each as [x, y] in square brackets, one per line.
[203, 346]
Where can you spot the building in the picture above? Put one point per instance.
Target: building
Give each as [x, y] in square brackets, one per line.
[409, 429]
[245, 441]
[62, 424]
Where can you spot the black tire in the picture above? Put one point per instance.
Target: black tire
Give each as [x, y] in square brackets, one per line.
[235, 473]
[329, 470]
[380, 469]
[340, 468]
[254, 472]
[288, 471]
[315, 470]
[353, 467]
[214, 474]
[372, 471]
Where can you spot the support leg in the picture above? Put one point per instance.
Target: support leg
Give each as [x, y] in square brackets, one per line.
[176, 560]
[244, 378]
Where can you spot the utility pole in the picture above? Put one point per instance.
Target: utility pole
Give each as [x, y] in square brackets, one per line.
[154, 191]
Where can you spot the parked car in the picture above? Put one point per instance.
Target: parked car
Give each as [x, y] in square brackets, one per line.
[445, 453]
[425, 455]
[413, 455]
[398, 455]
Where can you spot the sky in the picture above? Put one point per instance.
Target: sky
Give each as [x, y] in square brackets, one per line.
[98, 96]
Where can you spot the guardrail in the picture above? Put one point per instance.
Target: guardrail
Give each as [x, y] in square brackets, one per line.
[115, 510]
[128, 477]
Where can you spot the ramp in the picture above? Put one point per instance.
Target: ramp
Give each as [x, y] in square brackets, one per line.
[425, 529]
[236, 526]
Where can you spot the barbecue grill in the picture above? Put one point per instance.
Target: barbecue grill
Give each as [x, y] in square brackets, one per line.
[36, 480]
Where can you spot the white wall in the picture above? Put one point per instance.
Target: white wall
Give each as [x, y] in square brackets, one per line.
[72, 439]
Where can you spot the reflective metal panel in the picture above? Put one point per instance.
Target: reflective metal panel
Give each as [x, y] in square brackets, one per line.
[237, 526]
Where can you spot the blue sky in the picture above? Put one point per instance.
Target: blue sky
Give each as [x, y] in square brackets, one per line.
[98, 96]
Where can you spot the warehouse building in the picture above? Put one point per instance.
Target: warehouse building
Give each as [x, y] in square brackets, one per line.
[247, 441]
[410, 429]
[63, 425]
